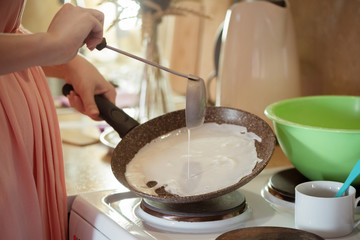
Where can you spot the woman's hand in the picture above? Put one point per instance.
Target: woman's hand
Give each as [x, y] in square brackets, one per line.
[72, 27]
[87, 82]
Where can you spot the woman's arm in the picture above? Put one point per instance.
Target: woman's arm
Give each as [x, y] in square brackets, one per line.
[69, 30]
[20, 51]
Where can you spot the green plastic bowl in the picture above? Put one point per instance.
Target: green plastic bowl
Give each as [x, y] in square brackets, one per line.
[320, 135]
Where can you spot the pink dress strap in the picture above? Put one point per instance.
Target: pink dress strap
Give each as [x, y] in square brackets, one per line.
[32, 184]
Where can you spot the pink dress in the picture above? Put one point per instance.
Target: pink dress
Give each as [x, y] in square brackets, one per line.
[32, 186]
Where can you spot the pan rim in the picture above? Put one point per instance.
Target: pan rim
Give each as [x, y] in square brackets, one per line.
[179, 114]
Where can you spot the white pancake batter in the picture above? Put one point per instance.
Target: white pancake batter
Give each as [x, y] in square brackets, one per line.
[218, 156]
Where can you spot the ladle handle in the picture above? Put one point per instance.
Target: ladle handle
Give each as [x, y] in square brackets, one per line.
[103, 45]
[114, 116]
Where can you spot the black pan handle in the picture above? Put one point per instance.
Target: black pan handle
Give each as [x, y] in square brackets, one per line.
[114, 116]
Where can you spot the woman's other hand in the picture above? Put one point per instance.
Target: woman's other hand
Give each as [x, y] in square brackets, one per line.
[87, 82]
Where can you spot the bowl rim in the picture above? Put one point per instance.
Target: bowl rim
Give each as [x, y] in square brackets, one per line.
[270, 113]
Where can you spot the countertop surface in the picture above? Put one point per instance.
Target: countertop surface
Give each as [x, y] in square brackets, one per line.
[87, 160]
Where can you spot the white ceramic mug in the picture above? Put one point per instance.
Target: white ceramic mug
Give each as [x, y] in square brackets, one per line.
[319, 212]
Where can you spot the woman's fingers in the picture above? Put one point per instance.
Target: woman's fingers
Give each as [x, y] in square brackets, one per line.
[74, 26]
[88, 109]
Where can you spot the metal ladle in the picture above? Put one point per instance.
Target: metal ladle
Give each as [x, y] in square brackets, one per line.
[195, 91]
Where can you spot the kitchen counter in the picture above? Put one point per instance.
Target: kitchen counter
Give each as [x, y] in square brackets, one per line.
[87, 161]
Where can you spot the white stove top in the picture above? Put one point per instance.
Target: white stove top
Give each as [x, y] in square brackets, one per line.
[115, 214]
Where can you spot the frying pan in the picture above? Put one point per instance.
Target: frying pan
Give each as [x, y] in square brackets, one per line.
[135, 137]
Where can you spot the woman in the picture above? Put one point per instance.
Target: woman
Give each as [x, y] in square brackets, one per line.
[32, 187]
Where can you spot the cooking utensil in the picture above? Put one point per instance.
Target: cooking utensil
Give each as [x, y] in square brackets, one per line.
[195, 103]
[355, 172]
[320, 135]
[138, 137]
[135, 136]
[114, 116]
[195, 93]
[269, 233]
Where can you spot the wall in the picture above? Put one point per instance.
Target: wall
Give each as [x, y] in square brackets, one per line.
[194, 41]
[328, 39]
[38, 14]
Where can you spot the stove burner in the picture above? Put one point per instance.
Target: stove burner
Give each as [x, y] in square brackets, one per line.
[223, 207]
[282, 184]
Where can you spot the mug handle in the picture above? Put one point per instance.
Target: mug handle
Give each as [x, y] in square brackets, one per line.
[355, 206]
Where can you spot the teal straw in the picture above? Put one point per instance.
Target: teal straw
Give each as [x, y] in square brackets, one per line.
[355, 172]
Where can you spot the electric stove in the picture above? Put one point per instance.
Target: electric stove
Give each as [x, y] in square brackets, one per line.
[266, 201]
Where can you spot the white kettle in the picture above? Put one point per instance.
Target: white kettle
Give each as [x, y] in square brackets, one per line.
[258, 58]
